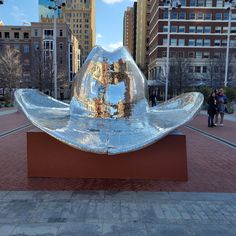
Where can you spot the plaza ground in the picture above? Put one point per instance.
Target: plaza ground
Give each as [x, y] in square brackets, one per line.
[204, 205]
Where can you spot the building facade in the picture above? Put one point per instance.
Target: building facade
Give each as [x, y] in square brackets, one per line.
[198, 40]
[128, 32]
[79, 16]
[142, 34]
[35, 45]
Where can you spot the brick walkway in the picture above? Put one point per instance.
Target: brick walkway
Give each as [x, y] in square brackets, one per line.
[211, 165]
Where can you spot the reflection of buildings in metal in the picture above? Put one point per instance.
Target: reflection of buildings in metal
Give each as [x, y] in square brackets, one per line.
[109, 111]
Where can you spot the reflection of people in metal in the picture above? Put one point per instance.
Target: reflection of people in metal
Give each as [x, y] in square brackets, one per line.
[153, 99]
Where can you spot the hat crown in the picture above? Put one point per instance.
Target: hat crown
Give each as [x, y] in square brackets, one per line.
[109, 85]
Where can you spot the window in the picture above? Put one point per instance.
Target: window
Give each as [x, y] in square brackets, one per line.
[206, 55]
[26, 35]
[217, 29]
[181, 42]
[164, 54]
[17, 46]
[181, 29]
[173, 54]
[225, 29]
[191, 42]
[233, 16]
[218, 16]
[16, 35]
[26, 48]
[191, 29]
[192, 3]
[197, 69]
[207, 29]
[198, 54]
[204, 69]
[226, 16]
[26, 62]
[165, 28]
[208, 16]
[48, 33]
[183, 3]
[35, 33]
[199, 42]
[164, 41]
[232, 43]
[200, 16]
[216, 55]
[173, 28]
[173, 15]
[190, 69]
[7, 35]
[165, 14]
[199, 29]
[207, 42]
[217, 42]
[223, 42]
[191, 54]
[0, 35]
[36, 46]
[200, 3]
[233, 29]
[182, 15]
[61, 33]
[173, 42]
[208, 3]
[219, 3]
[192, 15]
[61, 46]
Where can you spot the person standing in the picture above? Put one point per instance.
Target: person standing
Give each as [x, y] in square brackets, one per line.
[212, 106]
[221, 100]
[153, 98]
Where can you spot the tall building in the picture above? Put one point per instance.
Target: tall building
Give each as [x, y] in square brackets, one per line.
[198, 39]
[129, 29]
[80, 16]
[142, 34]
[35, 44]
[128, 26]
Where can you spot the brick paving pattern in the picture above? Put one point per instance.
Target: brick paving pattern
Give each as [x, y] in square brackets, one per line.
[211, 165]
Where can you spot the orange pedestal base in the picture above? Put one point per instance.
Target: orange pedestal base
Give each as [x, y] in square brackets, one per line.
[163, 160]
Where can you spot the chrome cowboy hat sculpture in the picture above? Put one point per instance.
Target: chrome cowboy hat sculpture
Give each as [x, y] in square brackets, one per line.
[109, 110]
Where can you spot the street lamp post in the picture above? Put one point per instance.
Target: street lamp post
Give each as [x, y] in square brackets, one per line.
[172, 4]
[55, 8]
[231, 4]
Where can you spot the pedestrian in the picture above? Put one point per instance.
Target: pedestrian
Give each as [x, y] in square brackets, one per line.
[221, 101]
[212, 106]
[153, 98]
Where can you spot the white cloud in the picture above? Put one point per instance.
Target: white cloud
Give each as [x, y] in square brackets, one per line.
[98, 36]
[112, 1]
[113, 46]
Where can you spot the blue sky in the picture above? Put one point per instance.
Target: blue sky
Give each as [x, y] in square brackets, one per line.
[109, 18]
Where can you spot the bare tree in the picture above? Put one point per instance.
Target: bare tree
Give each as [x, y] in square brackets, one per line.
[10, 68]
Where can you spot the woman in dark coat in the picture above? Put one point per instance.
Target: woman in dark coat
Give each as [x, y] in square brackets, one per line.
[212, 106]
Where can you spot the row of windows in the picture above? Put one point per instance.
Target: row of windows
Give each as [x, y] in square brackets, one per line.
[198, 42]
[15, 34]
[197, 54]
[81, 26]
[198, 15]
[199, 29]
[203, 3]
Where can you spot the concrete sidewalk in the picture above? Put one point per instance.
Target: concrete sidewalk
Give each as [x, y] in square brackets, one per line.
[230, 117]
[70, 213]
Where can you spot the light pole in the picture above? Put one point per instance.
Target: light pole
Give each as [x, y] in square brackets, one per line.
[231, 5]
[55, 8]
[172, 4]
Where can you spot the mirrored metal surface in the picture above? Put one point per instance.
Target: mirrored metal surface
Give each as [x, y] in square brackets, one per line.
[109, 110]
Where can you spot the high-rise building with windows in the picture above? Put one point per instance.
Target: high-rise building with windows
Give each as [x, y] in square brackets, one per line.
[142, 34]
[198, 40]
[79, 16]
